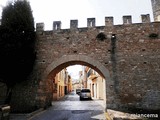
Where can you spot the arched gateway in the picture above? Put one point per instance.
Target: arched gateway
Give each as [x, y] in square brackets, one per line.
[127, 56]
[68, 60]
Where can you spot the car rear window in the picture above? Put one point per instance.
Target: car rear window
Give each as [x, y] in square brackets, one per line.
[85, 90]
[78, 89]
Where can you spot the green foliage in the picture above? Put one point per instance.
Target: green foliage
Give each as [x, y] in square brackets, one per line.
[17, 40]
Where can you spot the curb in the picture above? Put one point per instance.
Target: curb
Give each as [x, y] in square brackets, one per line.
[26, 115]
[35, 112]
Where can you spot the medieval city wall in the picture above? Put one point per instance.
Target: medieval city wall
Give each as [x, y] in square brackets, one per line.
[126, 55]
[129, 51]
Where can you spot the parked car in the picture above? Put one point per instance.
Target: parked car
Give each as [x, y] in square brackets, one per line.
[85, 94]
[78, 91]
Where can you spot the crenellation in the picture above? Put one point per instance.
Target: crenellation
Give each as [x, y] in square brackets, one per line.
[39, 27]
[145, 18]
[127, 19]
[73, 24]
[109, 21]
[56, 25]
[91, 22]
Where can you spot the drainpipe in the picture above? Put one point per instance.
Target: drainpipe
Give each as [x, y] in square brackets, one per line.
[114, 62]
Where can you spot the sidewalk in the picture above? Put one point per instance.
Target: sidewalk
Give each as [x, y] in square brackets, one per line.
[24, 116]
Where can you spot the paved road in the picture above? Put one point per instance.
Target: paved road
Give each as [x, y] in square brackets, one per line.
[70, 108]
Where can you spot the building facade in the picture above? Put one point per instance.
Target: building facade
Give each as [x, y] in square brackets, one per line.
[96, 84]
[62, 84]
[69, 84]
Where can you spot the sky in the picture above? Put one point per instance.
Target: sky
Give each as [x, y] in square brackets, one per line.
[48, 11]
[74, 71]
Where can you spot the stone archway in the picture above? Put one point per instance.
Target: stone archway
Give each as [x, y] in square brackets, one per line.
[68, 60]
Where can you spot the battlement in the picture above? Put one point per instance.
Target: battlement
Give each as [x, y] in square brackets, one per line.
[91, 22]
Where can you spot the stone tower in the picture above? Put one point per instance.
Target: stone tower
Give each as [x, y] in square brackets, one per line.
[156, 9]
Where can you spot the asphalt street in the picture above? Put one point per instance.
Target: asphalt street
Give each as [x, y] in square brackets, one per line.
[71, 108]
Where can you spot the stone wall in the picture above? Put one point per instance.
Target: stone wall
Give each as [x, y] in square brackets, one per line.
[130, 52]
[126, 55]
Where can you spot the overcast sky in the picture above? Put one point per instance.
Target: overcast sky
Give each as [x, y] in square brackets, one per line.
[48, 11]
[74, 71]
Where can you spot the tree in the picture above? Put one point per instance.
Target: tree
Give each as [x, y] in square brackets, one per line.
[17, 44]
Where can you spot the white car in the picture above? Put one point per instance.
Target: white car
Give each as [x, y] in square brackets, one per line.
[85, 94]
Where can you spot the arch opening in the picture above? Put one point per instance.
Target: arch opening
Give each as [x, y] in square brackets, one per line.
[65, 61]
[70, 63]
[69, 60]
